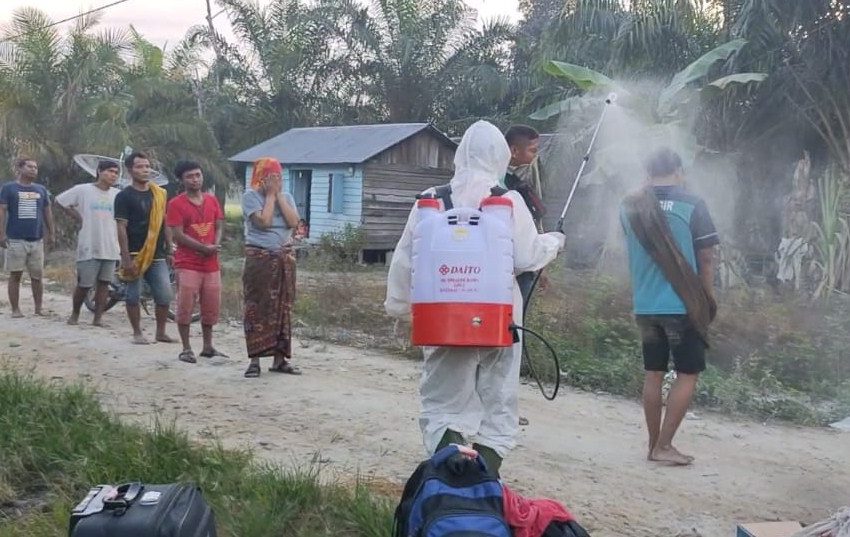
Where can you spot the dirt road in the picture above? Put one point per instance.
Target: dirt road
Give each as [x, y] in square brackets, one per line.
[355, 411]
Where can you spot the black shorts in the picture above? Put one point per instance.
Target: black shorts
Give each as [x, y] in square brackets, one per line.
[662, 335]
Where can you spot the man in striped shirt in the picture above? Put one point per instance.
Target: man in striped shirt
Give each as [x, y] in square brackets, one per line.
[25, 221]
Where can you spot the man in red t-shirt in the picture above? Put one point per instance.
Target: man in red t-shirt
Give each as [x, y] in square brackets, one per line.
[197, 224]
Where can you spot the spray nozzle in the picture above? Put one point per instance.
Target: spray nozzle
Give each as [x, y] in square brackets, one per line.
[611, 99]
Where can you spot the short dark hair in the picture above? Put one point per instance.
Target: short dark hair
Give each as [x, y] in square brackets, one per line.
[104, 165]
[20, 162]
[185, 166]
[131, 158]
[663, 162]
[517, 134]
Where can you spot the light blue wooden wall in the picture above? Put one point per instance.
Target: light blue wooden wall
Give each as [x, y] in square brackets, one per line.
[321, 221]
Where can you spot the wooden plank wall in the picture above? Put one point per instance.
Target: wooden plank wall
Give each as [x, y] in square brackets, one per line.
[423, 149]
[389, 191]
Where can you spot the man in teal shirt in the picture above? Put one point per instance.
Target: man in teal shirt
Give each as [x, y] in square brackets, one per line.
[660, 312]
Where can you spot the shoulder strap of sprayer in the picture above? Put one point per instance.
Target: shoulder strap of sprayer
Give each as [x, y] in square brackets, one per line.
[444, 194]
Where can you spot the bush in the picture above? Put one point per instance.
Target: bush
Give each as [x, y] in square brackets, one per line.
[341, 248]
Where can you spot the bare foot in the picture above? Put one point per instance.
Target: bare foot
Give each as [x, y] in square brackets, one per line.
[74, 320]
[653, 442]
[40, 313]
[139, 339]
[16, 314]
[670, 455]
[163, 338]
[98, 322]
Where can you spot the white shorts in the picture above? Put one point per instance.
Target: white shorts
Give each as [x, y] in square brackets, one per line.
[25, 255]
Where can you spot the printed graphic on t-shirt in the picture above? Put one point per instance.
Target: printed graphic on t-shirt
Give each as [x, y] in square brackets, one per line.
[203, 229]
[28, 205]
[102, 209]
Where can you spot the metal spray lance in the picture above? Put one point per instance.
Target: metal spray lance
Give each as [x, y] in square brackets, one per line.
[611, 99]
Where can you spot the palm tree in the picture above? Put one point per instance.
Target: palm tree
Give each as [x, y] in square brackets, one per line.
[89, 92]
[54, 90]
[424, 60]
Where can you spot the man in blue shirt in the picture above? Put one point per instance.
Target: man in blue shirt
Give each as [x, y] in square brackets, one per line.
[661, 315]
[25, 220]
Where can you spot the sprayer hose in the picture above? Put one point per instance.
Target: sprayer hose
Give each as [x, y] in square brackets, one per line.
[525, 353]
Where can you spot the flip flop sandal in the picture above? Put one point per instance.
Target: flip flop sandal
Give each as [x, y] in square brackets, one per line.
[253, 371]
[214, 353]
[286, 368]
[188, 357]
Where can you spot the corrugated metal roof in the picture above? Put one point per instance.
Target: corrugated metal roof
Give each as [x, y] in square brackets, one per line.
[352, 144]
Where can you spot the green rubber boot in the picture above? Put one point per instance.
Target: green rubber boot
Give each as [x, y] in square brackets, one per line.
[491, 458]
[450, 437]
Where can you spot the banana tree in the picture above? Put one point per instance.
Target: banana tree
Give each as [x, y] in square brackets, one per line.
[654, 115]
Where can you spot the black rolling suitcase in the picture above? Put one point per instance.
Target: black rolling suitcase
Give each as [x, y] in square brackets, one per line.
[137, 510]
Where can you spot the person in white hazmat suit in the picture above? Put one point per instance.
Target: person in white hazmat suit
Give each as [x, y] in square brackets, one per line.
[470, 394]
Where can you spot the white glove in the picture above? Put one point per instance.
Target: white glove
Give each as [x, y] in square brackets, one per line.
[560, 237]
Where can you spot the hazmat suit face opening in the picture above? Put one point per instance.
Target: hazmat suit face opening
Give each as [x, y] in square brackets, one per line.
[481, 162]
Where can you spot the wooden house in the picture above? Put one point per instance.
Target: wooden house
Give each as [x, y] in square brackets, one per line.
[364, 175]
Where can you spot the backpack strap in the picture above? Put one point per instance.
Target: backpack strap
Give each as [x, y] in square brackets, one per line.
[444, 194]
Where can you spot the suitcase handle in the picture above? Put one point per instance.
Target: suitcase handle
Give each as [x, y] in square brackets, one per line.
[124, 496]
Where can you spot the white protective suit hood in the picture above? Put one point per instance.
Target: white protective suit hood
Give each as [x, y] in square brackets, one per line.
[481, 161]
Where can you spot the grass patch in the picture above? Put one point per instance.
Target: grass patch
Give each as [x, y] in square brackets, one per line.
[233, 213]
[56, 441]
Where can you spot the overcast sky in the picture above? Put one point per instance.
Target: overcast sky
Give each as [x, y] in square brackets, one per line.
[166, 21]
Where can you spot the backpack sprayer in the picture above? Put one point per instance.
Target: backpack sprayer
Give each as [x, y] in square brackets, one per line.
[462, 272]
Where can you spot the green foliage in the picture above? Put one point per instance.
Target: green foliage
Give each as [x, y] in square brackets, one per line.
[831, 264]
[88, 92]
[588, 80]
[341, 248]
[739, 78]
[585, 79]
[696, 71]
[55, 442]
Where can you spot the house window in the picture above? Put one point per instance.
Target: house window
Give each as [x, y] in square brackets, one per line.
[336, 192]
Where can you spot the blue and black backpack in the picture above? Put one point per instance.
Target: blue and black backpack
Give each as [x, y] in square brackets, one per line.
[451, 495]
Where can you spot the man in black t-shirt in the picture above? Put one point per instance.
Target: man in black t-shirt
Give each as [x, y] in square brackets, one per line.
[133, 209]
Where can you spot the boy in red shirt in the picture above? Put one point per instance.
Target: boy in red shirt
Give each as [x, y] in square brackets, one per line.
[197, 224]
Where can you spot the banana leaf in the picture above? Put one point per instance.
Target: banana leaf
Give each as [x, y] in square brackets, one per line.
[556, 108]
[586, 79]
[695, 71]
[738, 78]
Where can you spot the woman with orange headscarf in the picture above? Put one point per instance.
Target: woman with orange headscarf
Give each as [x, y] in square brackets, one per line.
[268, 279]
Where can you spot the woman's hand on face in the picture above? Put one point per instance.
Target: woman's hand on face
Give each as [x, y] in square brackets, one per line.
[274, 183]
